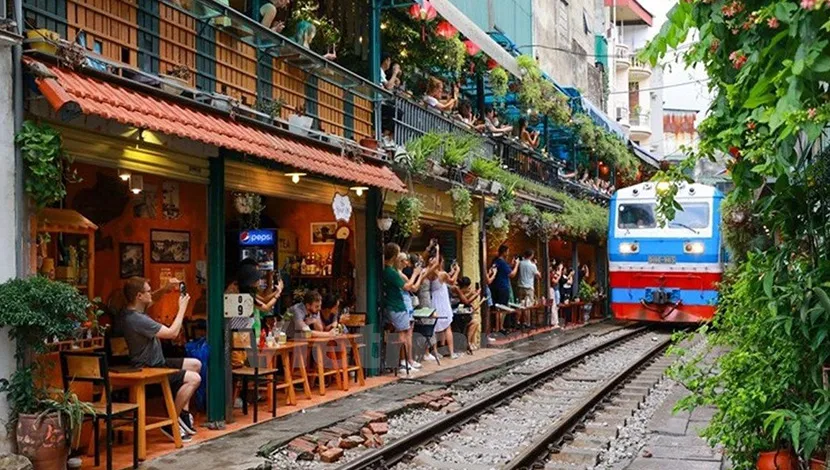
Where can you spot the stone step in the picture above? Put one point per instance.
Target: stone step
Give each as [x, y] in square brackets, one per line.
[576, 455]
[583, 441]
[616, 410]
[598, 431]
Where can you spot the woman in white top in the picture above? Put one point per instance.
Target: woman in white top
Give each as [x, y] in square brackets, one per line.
[433, 97]
[440, 282]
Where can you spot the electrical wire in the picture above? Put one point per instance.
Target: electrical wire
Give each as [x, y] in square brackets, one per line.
[673, 85]
[680, 48]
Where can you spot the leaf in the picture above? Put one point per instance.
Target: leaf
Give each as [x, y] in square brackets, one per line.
[820, 337]
[769, 278]
[822, 64]
[823, 298]
[795, 432]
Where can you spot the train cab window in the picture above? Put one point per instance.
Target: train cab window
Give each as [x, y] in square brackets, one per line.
[636, 216]
[693, 215]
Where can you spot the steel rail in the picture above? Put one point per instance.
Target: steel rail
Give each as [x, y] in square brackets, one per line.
[539, 447]
[389, 455]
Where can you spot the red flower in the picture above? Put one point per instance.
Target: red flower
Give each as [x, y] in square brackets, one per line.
[738, 59]
[808, 4]
[750, 125]
[714, 46]
[731, 9]
[735, 152]
[773, 23]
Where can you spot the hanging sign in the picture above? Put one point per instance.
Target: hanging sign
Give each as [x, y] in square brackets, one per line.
[239, 306]
[342, 207]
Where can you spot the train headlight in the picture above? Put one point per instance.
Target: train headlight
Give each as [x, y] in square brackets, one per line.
[629, 248]
[694, 248]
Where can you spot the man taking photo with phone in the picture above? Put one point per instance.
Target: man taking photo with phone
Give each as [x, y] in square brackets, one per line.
[144, 335]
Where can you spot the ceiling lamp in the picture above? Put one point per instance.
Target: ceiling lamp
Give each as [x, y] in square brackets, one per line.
[295, 177]
[472, 48]
[136, 184]
[359, 190]
[445, 30]
[423, 12]
[124, 174]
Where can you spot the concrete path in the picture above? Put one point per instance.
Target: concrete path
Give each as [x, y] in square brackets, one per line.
[238, 450]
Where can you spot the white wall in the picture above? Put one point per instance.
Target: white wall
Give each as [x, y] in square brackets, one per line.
[8, 232]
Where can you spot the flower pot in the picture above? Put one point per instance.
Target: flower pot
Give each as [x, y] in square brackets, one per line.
[371, 144]
[482, 184]
[173, 85]
[43, 40]
[777, 460]
[221, 102]
[435, 168]
[43, 441]
[470, 179]
[495, 187]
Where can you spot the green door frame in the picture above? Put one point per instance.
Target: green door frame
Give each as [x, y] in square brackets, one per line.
[374, 205]
[216, 380]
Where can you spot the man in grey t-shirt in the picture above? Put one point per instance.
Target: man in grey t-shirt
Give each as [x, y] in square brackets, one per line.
[528, 273]
[305, 316]
[143, 335]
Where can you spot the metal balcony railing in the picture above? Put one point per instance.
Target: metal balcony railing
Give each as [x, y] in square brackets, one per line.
[642, 119]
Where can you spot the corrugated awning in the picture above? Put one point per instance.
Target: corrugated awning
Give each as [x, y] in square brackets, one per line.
[469, 29]
[73, 91]
[645, 156]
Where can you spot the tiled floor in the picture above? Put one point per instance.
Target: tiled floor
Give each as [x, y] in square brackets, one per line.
[158, 444]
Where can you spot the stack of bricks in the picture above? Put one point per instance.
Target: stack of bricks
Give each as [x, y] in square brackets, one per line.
[435, 400]
[365, 429]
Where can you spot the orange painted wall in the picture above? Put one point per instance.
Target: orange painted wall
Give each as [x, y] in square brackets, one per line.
[518, 241]
[129, 229]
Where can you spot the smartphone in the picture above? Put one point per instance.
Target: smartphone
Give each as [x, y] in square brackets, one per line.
[182, 289]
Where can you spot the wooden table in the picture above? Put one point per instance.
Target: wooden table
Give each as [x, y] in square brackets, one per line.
[137, 382]
[282, 353]
[341, 368]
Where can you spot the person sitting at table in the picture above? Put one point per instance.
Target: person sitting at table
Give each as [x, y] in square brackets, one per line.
[329, 313]
[491, 122]
[269, 14]
[433, 96]
[247, 282]
[305, 317]
[143, 335]
[530, 138]
[465, 115]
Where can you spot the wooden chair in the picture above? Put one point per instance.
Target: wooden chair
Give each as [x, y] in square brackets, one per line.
[258, 371]
[92, 367]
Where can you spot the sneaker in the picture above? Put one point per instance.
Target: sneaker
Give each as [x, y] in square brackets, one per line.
[412, 365]
[237, 403]
[404, 370]
[455, 356]
[186, 422]
[430, 357]
[168, 431]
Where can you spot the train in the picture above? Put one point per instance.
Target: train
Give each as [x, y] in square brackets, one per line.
[666, 273]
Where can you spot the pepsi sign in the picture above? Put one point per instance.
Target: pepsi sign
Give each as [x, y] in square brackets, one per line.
[257, 238]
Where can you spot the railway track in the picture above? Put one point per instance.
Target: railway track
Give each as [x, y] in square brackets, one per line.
[541, 409]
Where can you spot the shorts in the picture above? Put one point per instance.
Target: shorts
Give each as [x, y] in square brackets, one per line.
[501, 296]
[526, 294]
[399, 320]
[177, 379]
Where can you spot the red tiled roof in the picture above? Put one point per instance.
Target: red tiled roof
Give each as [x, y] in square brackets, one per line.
[131, 107]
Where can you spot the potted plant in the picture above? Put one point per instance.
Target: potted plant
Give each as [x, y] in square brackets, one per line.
[47, 165]
[462, 205]
[272, 108]
[419, 153]
[35, 310]
[498, 82]
[408, 214]
[176, 79]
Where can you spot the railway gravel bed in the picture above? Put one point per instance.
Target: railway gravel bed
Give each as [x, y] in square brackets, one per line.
[467, 391]
[494, 438]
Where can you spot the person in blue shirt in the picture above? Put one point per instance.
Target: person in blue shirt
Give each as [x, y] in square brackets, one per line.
[500, 287]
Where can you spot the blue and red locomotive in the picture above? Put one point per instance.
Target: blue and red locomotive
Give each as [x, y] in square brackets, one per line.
[665, 273]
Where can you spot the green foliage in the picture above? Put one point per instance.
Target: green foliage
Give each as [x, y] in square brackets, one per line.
[307, 11]
[540, 94]
[606, 146]
[484, 167]
[408, 215]
[586, 292]
[69, 406]
[46, 163]
[454, 54]
[35, 310]
[420, 150]
[548, 226]
[272, 108]
[459, 148]
[462, 205]
[498, 82]
[740, 228]
[527, 217]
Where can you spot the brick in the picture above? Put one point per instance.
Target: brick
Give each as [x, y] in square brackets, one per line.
[452, 408]
[435, 406]
[301, 449]
[379, 428]
[375, 416]
[334, 443]
[366, 433]
[351, 442]
[373, 442]
[343, 432]
[331, 455]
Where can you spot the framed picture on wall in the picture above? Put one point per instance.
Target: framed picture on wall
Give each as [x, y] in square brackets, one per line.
[169, 246]
[323, 233]
[132, 260]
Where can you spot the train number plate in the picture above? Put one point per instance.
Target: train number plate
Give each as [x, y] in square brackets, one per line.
[662, 260]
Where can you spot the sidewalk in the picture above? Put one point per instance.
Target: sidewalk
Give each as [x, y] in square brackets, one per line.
[238, 450]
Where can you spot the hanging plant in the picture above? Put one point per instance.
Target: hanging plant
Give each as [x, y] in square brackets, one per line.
[408, 215]
[272, 108]
[498, 228]
[526, 217]
[547, 226]
[462, 205]
[419, 151]
[454, 55]
[304, 15]
[249, 206]
[539, 93]
[458, 149]
[47, 165]
[498, 82]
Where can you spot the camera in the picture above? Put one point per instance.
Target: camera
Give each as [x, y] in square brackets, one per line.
[182, 289]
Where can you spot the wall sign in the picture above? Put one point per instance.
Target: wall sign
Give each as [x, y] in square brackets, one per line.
[239, 306]
[257, 238]
[342, 207]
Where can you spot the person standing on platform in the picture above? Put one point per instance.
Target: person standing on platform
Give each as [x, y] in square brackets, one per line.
[500, 287]
[528, 274]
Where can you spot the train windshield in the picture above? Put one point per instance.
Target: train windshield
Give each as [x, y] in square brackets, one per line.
[641, 215]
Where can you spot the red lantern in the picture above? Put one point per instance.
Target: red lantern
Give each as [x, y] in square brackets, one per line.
[445, 30]
[491, 64]
[472, 48]
[424, 12]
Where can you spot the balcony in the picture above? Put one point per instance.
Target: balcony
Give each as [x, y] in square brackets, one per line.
[230, 57]
[639, 70]
[640, 127]
[622, 56]
[622, 118]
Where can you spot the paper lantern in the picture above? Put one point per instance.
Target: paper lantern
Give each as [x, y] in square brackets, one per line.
[424, 12]
[491, 64]
[445, 30]
[472, 48]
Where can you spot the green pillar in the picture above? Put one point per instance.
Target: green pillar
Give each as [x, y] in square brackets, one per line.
[374, 322]
[375, 46]
[216, 398]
